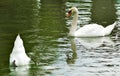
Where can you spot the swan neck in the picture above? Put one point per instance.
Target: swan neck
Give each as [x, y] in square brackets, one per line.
[74, 24]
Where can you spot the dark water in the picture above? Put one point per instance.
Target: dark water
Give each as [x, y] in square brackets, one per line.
[43, 28]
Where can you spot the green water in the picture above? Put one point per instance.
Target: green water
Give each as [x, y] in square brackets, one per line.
[43, 28]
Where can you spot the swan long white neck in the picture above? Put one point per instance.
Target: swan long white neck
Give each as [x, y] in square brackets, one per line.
[74, 24]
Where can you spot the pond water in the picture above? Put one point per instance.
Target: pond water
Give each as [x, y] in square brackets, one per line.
[43, 27]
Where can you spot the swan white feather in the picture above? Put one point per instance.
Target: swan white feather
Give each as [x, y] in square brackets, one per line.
[90, 30]
[18, 56]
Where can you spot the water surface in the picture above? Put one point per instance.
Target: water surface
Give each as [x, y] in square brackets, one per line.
[43, 28]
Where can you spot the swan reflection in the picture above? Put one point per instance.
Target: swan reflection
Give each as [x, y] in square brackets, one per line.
[20, 71]
[87, 43]
[72, 55]
[93, 43]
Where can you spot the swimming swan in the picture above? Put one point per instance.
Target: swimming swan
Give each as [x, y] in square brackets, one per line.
[18, 56]
[90, 30]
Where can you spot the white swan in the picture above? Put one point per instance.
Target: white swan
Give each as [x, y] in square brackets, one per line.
[18, 56]
[90, 30]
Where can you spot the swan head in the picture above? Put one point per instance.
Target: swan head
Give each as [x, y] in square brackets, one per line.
[72, 11]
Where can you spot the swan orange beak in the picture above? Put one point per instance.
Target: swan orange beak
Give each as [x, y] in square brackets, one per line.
[69, 13]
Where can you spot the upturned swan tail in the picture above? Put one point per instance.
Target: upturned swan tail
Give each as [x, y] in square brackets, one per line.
[18, 56]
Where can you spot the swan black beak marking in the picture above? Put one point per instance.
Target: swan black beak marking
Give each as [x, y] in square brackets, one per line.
[69, 13]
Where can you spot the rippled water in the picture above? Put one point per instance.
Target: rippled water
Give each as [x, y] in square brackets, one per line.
[43, 28]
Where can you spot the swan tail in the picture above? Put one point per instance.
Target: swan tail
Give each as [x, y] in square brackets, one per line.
[109, 28]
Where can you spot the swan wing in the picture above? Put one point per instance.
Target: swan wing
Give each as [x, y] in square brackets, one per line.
[90, 30]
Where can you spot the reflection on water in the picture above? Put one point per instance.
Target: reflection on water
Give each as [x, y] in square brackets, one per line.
[20, 71]
[88, 44]
[93, 43]
[92, 56]
[72, 55]
[42, 26]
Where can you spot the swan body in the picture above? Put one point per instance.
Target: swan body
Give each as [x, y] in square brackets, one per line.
[90, 30]
[18, 56]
